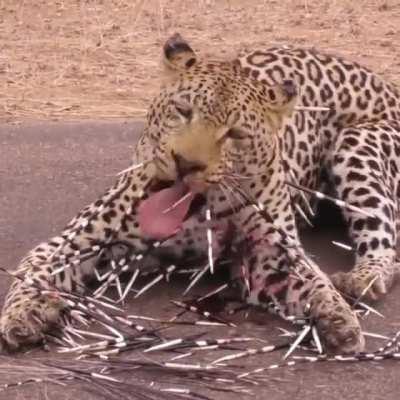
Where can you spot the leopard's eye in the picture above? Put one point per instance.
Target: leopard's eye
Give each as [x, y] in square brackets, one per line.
[236, 134]
[180, 113]
[174, 118]
[184, 110]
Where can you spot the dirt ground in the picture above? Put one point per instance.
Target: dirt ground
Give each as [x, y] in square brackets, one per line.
[70, 59]
[100, 60]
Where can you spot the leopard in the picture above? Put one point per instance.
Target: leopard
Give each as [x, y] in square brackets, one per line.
[234, 140]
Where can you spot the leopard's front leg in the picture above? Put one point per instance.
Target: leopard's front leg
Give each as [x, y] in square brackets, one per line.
[365, 172]
[27, 312]
[279, 271]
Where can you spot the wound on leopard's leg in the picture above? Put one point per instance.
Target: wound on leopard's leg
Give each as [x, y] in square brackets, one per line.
[302, 291]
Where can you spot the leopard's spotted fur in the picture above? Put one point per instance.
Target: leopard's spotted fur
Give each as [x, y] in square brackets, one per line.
[234, 124]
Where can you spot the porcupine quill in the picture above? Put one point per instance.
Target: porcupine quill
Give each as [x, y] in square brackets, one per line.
[88, 307]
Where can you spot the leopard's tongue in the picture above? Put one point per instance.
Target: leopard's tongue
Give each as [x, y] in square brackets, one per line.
[163, 212]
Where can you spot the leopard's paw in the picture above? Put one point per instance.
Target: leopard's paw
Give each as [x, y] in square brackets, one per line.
[337, 324]
[25, 322]
[368, 282]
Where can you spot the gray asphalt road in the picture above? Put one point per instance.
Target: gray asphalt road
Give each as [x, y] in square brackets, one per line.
[48, 171]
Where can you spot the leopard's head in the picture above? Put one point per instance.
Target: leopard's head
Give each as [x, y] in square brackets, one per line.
[211, 120]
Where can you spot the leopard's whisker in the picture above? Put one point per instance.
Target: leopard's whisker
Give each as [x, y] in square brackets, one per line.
[234, 194]
[246, 198]
[227, 193]
[237, 176]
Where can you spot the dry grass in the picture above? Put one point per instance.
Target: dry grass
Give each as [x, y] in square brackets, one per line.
[100, 59]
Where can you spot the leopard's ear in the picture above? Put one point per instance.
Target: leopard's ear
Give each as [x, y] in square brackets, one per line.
[177, 54]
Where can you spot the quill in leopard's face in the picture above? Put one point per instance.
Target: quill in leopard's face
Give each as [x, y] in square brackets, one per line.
[208, 122]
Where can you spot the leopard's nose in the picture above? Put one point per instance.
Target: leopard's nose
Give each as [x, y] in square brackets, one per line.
[185, 167]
